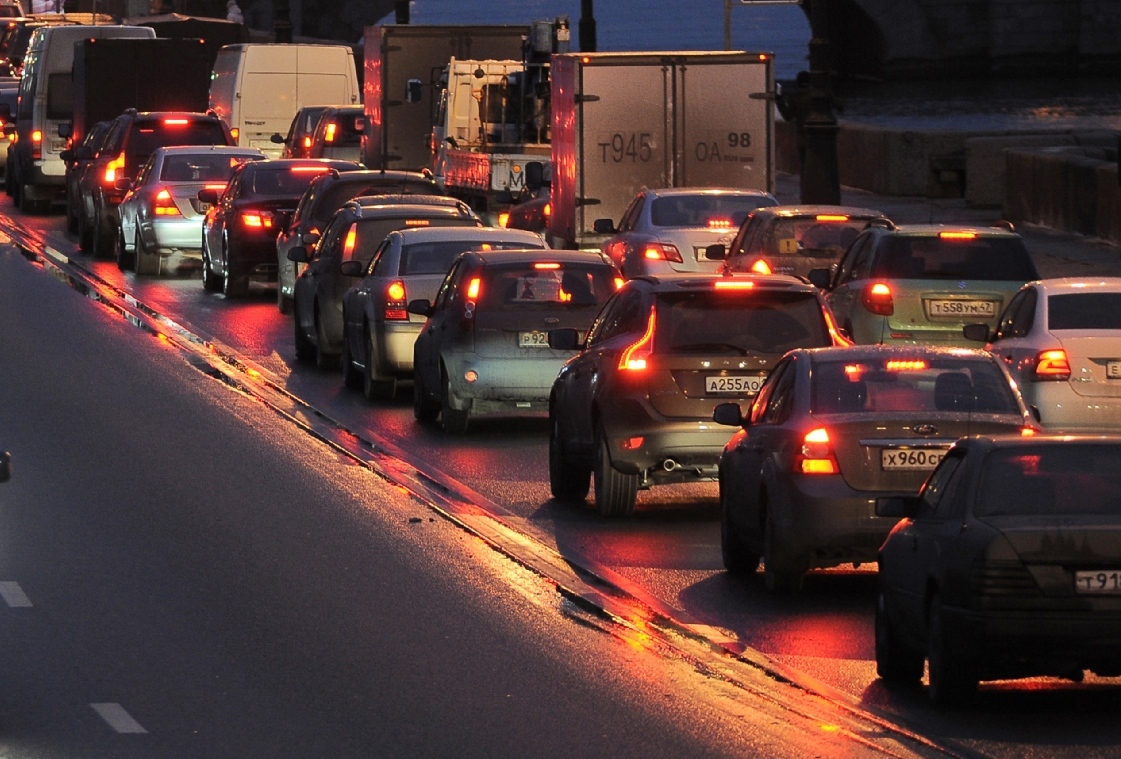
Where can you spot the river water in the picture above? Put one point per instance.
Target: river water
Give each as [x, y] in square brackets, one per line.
[1024, 104]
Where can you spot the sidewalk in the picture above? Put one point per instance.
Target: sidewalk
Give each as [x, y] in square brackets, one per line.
[1057, 254]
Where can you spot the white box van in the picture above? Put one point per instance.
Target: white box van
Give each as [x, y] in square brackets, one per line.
[257, 88]
[46, 95]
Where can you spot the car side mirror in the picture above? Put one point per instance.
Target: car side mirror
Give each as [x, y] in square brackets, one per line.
[122, 184]
[352, 268]
[566, 339]
[420, 307]
[5, 466]
[67, 156]
[208, 196]
[716, 252]
[298, 254]
[728, 414]
[604, 227]
[277, 139]
[820, 278]
[897, 506]
[977, 332]
[65, 129]
[310, 238]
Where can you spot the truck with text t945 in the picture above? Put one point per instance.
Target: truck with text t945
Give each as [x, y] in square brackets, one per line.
[625, 122]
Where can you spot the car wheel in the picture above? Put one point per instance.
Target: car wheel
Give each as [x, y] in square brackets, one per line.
[375, 388]
[352, 378]
[85, 235]
[323, 359]
[124, 259]
[424, 410]
[896, 663]
[453, 421]
[147, 263]
[953, 680]
[779, 579]
[305, 351]
[738, 558]
[567, 481]
[103, 239]
[616, 492]
[23, 200]
[210, 281]
[232, 286]
[71, 217]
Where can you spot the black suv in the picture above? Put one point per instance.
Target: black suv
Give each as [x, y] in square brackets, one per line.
[131, 139]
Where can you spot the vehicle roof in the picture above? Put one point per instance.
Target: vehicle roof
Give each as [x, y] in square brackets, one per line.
[170, 115]
[550, 255]
[867, 352]
[338, 108]
[412, 209]
[193, 149]
[932, 230]
[666, 192]
[819, 210]
[677, 281]
[365, 202]
[1061, 285]
[441, 234]
[287, 163]
[1013, 440]
[363, 176]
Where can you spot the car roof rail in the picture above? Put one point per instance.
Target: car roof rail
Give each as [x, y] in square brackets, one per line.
[882, 223]
[1004, 224]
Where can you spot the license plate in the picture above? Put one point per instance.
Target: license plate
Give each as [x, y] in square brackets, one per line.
[58, 145]
[749, 385]
[533, 339]
[910, 459]
[1106, 582]
[1113, 370]
[982, 309]
[203, 207]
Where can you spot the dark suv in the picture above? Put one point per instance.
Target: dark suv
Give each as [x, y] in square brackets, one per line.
[339, 133]
[635, 406]
[131, 139]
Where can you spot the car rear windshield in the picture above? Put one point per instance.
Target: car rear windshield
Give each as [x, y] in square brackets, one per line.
[1084, 311]
[283, 181]
[347, 129]
[146, 136]
[738, 322]
[336, 195]
[437, 257]
[201, 167]
[370, 233]
[980, 257]
[549, 286]
[906, 384]
[306, 121]
[810, 237]
[715, 211]
[1052, 479]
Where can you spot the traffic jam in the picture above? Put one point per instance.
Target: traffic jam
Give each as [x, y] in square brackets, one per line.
[507, 269]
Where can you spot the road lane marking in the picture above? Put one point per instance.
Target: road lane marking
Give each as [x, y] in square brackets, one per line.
[13, 595]
[118, 718]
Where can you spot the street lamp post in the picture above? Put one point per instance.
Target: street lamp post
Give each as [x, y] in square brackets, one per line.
[282, 21]
[821, 183]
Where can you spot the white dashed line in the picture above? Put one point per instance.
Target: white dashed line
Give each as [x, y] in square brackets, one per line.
[118, 718]
[13, 595]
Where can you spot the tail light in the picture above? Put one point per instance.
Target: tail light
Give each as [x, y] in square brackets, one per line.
[657, 251]
[350, 241]
[235, 133]
[396, 298]
[474, 287]
[876, 297]
[176, 122]
[331, 129]
[958, 236]
[719, 223]
[760, 267]
[619, 282]
[503, 218]
[163, 205]
[37, 144]
[548, 210]
[256, 220]
[307, 143]
[816, 456]
[113, 170]
[634, 356]
[1052, 365]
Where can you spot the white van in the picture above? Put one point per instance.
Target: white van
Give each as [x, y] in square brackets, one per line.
[256, 88]
[46, 100]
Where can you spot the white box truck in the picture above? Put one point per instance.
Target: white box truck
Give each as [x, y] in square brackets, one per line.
[624, 122]
[257, 88]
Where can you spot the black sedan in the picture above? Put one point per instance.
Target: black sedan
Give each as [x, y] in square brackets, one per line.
[1006, 565]
[243, 221]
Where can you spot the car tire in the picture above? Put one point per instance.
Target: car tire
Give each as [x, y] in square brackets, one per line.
[376, 388]
[567, 482]
[124, 259]
[452, 420]
[896, 663]
[352, 378]
[85, 235]
[323, 360]
[779, 579]
[103, 240]
[23, 200]
[71, 217]
[952, 678]
[738, 558]
[305, 350]
[147, 263]
[424, 410]
[210, 281]
[616, 492]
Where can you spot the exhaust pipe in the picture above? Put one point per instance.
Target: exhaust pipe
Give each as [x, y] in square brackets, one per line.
[669, 465]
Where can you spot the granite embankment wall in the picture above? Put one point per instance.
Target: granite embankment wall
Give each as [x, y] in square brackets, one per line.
[1066, 180]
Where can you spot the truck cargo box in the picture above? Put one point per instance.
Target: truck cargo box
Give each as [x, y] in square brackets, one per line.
[624, 122]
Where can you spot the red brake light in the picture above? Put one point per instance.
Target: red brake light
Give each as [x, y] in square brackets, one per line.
[657, 251]
[350, 241]
[473, 289]
[503, 218]
[831, 217]
[905, 365]
[331, 129]
[733, 284]
[256, 220]
[958, 235]
[113, 167]
[876, 297]
[633, 358]
[235, 133]
[37, 144]
[760, 267]
[719, 223]
[548, 211]
[816, 456]
[546, 266]
[163, 205]
[307, 142]
[176, 122]
[309, 169]
[619, 282]
[1052, 365]
[395, 298]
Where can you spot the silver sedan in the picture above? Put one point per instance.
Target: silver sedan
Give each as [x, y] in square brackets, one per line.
[161, 216]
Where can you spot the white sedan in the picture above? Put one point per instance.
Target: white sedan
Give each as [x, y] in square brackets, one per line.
[1061, 340]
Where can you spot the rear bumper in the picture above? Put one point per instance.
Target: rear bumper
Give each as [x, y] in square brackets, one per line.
[256, 257]
[669, 451]
[502, 383]
[168, 237]
[1062, 409]
[398, 339]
